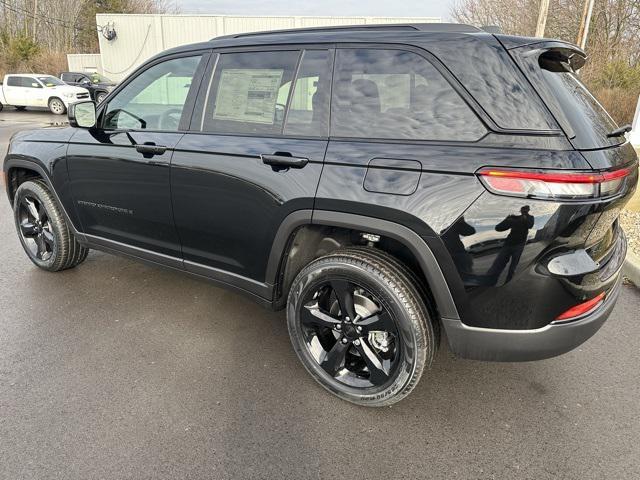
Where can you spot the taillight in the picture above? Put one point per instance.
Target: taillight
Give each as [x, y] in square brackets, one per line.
[553, 184]
[581, 309]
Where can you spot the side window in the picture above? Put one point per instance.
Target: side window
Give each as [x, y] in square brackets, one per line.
[155, 98]
[14, 81]
[249, 92]
[30, 82]
[309, 107]
[397, 94]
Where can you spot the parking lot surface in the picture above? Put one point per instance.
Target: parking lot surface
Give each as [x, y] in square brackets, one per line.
[120, 370]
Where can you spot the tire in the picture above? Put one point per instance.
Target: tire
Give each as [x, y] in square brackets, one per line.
[100, 97]
[43, 230]
[384, 293]
[56, 106]
[1, 107]
[20, 108]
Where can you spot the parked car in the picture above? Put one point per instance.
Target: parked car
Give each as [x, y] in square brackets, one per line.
[98, 85]
[381, 183]
[38, 90]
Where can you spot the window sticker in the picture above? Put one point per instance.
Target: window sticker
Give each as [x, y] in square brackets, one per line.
[248, 95]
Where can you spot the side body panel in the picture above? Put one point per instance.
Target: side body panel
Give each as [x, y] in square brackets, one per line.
[456, 218]
[44, 151]
[121, 194]
[228, 204]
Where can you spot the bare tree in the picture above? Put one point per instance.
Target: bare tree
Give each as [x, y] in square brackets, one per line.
[613, 45]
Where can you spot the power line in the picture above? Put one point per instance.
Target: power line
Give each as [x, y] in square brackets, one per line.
[44, 18]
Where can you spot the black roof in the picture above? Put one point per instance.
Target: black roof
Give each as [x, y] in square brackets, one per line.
[395, 32]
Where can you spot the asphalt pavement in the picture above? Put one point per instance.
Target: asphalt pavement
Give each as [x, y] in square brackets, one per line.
[118, 370]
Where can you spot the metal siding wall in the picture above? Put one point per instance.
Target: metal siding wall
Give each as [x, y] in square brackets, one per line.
[177, 32]
[324, 21]
[256, 24]
[140, 37]
[84, 62]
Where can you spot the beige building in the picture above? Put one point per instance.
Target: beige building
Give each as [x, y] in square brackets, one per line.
[126, 41]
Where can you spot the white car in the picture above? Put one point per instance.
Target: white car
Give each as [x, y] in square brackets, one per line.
[34, 90]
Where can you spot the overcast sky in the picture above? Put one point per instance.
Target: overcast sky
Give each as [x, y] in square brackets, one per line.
[371, 8]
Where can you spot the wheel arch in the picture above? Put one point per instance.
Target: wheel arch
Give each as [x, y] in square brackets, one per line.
[318, 229]
[18, 171]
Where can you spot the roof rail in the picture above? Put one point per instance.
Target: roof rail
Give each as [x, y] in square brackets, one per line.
[423, 27]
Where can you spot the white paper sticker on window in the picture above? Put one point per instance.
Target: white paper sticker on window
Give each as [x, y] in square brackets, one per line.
[248, 95]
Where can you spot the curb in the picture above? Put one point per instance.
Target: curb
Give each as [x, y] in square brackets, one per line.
[631, 268]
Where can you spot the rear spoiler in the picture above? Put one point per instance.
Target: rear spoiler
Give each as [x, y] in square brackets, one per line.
[554, 50]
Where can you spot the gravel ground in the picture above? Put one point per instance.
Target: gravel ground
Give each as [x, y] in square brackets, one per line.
[630, 222]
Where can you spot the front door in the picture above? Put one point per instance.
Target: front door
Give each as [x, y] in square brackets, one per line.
[254, 156]
[119, 171]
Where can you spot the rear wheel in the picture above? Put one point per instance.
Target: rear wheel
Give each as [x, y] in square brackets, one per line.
[360, 326]
[56, 106]
[43, 230]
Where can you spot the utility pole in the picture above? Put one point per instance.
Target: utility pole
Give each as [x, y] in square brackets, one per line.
[542, 18]
[35, 18]
[584, 24]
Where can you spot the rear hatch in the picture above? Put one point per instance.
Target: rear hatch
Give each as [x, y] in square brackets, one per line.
[553, 67]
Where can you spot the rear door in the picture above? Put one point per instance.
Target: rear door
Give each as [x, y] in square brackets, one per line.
[14, 90]
[253, 156]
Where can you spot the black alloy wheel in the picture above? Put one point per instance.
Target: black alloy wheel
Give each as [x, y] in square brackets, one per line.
[35, 228]
[43, 230]
[350, 334]
[359, 324]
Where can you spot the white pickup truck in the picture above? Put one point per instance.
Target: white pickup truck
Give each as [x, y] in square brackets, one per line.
[33, 90]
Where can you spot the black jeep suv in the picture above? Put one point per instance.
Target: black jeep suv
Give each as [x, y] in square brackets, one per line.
[381, 183]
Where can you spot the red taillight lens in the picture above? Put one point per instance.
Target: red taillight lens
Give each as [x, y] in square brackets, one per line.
[553, 184]
[581, 309]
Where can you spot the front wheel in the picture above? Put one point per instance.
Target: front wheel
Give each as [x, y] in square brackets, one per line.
[360, 326]
[43, 230]
[56, 106]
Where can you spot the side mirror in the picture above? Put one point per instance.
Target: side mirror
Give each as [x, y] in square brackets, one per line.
[82, 114]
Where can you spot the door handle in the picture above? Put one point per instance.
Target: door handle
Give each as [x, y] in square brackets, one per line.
[148, 150]
[281, 161]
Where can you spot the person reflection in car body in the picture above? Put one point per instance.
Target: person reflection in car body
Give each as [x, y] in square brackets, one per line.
[510, 252]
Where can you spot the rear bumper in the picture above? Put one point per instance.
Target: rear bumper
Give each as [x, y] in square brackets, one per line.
[526, 345]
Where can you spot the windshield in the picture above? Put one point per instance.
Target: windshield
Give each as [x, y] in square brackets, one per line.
[97, 78]
[49, 81]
